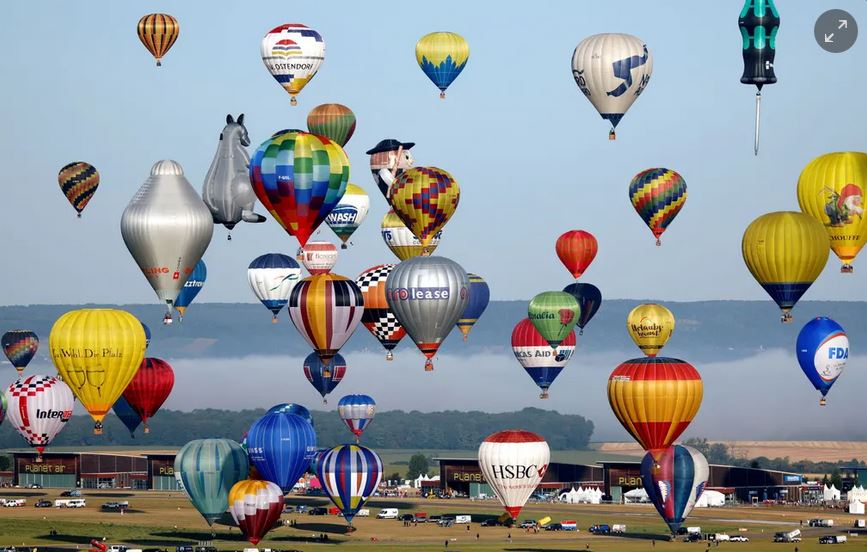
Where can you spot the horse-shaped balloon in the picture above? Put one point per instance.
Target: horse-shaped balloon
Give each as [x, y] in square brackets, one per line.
[227, 191]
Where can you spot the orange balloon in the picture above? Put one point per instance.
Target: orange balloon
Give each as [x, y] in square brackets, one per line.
[576, 249]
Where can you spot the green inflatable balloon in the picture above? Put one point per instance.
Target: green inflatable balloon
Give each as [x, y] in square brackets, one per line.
[208, 468]
[554, 313]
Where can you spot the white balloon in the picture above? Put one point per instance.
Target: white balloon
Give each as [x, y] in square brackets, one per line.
[292, 53]
[39, 407]
[272, 277]
[319, 257]
[513, 463]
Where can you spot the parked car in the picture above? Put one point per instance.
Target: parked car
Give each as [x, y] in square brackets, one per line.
[446, 521]
[832, 539]
[600, 529]
[288, 509]
[43, 504]
[491, 522]
[738, 538]
[692, 537]
[434, 519]
[301, 508]
[553, 527]
[318, 511]
[528, 524]
[114, 506]
[71, 492]
[35, 486]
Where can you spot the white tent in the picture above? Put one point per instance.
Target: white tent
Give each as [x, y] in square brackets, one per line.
[858, 493]
[636, 495]
[856, 507]
[417, 482]
[830, 493]
[710, 499]
[582, 496]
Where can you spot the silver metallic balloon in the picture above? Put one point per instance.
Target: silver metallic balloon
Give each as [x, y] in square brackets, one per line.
[428, 295]
[167, 229]
[227, 190]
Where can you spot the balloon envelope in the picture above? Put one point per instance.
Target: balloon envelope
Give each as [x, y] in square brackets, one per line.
[513, 463]
[400, 239]
[823, 349]
[576, 250]
[126, 414]
[149, 388]
[20, 347]
[348, 215]
[292, 53]
[78, 182]
[292, 408]
[378, 317]
[192, 288]
[674, 481]
[480, 295]
[325, 309]
[533, 352]
[424, 198]
[255, 506]
[349, 475]
[271, 277]
[657, 195]
[650, 326]
[38, 408]
[334, 121]
[442, 56]
[158, 32]
[324, 378]
[554, 314]
[589, 300]
[207, 469]
[281, 446]
[357, 412]
[319, 257]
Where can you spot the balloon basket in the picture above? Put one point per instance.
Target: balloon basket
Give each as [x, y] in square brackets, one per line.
[97, 429]
[167, 319]
[466, 338]
[443, 95]
[428, 365]
[78, 215]
[293, 101]
[847, 269]
[658, 242]
[823, 401]
[786, 318]
[581, 331]
[228, 237]
[612, 135]
[274, 320]
[147, 429]
[544, 394]
[326, 373]
[159, 63]
[344, 246]
[389, 356]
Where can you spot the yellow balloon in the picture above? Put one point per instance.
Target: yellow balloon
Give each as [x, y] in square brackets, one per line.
[97, 352]
[424, 198]
[442, 56]
[650, 326]
[831, 190]
[785, 252]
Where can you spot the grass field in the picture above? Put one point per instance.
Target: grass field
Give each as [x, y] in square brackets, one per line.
[160, 519]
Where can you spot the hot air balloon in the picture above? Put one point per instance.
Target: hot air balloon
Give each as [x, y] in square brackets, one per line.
[554, 314]
[428, 295]
[167, 229]
[655, 399]
[147, 332]
[823, 349]
[674, 481]
[191, 288]
[255, 506]
[658, 195]
[3, 407]
[785, 252]
[299, 178]
[612, 70]
[378, 318]
[442, 56]
[348, 215]
[357, 412]
[576, 249]
[78, 182]
[349, 474]
[149, 388]
[480, 295]
[281, 446]
[388, 159]
[538, 359]
[97, 352]
[334, 121]
[831, 190]
[272, 277]
[319, 257]
[650, 326]
[513, 463]
[20, 347]
[589, 300]
[315, 372]
[402, 241]
[325, 309]
[207, 470]
[127, 415]
[158, 32]
[292, 408]
[425, 198]
[38, 408]
[759, 23]
[292, 53]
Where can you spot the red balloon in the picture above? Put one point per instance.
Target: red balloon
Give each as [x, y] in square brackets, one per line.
[576, 249]
[149, 388]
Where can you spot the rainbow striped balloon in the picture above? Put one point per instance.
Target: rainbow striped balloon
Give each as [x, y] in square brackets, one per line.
[78, 182]
[658, 195]
[349, 475]
[20, 347]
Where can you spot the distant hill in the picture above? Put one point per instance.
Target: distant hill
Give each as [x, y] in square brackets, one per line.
[706, 330]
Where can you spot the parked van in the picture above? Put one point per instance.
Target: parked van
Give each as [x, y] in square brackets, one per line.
[364, 512]
[388, 513]
[14, 503]
[618, 528]
[463, 518]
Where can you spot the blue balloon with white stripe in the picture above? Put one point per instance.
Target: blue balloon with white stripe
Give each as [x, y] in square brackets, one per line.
[191, 288]
[292, 408]
[357, 412]
[281, 446]
[823, 349]
[271, 277]
[349, 475]
[674, 481]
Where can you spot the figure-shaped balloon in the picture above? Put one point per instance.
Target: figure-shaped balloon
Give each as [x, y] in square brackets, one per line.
[292, 53]
[428, 295]
[538, 359]
[480, 295]
[378, 317]
[299, 178]
[38, 408]
[158, 32]
[554, 314]
[388, 160]
[281, 446]
[20, 347]
[657, 195]
[504, 455]
[227, 190]
[785, 252]
[612, 70]
[97, 352]
[334, 121]
[324, 378]
[207, 470]
[831, 190]
[442, 56]
[255, 506]
[191, 289]
[319, 257]
[78, 182]
[350, 474]
[759, 23]
[823, 349]
[167, 229]
[402, 241]
[576, 250]
[357, 412]
[149, 388]
[655, 399]
[425, 198]
[348, 215]
[272, 277]
[674, 481]
[589, 299]
[650, 326]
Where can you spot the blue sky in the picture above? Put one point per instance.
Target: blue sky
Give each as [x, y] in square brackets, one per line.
[530, 153]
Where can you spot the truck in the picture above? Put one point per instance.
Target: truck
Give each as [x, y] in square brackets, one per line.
[70, 503]
[821, 523]
[788, 536]
[618, 528]
[388, 513]
[720, 537]
[693, 530]
[832, 539]
[463, 518]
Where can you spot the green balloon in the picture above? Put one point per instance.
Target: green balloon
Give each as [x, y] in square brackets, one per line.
[208, 468]
[554, 313]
